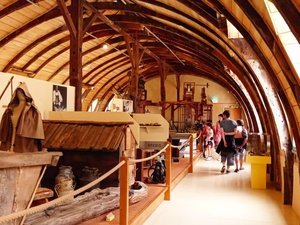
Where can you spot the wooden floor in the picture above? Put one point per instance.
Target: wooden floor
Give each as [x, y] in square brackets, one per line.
[140, 211]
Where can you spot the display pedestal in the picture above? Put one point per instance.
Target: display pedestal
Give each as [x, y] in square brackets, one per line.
[258, 170]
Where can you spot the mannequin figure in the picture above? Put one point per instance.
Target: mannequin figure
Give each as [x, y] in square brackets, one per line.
[21, 128]
[16, 113]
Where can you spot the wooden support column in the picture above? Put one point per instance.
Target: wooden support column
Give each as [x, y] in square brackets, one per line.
[134, 53]
[178, 87]
[124, 192]
[76, 52]
[168, 172]
[163, 75]
[191, 169]
[172, 113]
[74, 22]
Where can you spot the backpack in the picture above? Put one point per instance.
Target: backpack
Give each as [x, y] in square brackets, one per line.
[159, 173]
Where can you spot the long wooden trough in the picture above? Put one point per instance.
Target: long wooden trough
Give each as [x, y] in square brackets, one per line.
[19, 174]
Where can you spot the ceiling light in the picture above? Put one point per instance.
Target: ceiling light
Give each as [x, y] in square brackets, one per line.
[105, 46]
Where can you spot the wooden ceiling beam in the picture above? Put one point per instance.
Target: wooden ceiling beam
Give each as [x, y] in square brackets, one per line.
[114, 26]
[270, 40]
[270, 125]
[123, 75]
[89, 22]
[203, 10]
[37, 21]
[53, 14]
[102, 76]
[105, 66]
[67, 17]
[17, 5]
[31, 46]
[112, 69]
[45, 50]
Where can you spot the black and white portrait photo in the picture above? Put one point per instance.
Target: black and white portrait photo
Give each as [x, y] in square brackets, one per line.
[59, 98]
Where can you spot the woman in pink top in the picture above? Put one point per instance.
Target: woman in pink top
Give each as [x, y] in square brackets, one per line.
[218, 131]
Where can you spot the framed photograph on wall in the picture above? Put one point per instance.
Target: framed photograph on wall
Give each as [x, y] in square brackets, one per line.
[59, 99]
[128, 106]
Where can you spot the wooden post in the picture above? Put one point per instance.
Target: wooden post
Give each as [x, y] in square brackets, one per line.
[76, 52]
[191, 169]
[74, 22]
[178, 87]
[172, 113]
[124, 192]
[139, 166]
[162, 81]
[168, 172]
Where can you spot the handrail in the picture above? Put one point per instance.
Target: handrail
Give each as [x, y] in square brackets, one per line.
[54, 202]
[184, 143]
[150, 157]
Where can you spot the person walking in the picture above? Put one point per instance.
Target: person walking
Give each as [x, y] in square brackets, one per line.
[209, 141]
[217, 131]
[241, 138]
[227, 144]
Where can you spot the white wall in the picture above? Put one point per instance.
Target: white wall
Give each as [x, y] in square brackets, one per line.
[40, 90]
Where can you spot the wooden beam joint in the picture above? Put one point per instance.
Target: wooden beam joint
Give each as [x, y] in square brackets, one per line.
[67, 17]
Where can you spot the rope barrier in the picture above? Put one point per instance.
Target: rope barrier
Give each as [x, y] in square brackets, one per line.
[197, 137]
[180, 146]
[184, 143]
[55, 202]
[150, 157]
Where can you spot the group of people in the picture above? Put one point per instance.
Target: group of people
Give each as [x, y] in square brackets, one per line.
[228, 138]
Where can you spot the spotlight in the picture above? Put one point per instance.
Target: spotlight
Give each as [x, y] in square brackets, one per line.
[105, 46]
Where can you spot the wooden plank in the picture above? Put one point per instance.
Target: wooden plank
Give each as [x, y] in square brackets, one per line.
[110, 137]
[10, 160]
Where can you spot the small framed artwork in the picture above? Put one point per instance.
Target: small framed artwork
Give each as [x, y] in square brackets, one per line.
[59, 99]
[128, 106]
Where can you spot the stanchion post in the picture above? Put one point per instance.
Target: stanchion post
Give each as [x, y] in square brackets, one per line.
[191, 169]
[124, 192]
[168, 172]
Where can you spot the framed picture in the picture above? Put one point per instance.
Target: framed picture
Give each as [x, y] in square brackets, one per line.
[128, 106]
[59, 99]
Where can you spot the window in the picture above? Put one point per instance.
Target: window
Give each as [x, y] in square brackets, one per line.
[285, 35]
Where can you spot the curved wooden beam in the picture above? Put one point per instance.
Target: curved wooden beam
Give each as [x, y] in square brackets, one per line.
[40, 19]
[32, 45]
[13, 7]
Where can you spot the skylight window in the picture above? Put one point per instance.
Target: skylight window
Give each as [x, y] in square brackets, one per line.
[285, 35]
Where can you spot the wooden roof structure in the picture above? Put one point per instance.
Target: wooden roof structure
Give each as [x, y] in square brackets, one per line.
[84, 136]
[61, 41]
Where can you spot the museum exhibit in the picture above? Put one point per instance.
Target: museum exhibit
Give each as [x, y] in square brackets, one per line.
[142, 112]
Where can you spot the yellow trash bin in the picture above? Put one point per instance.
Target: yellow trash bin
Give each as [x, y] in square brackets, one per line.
[258, 170]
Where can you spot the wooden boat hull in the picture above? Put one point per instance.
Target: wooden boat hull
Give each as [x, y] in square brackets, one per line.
[19, 174]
